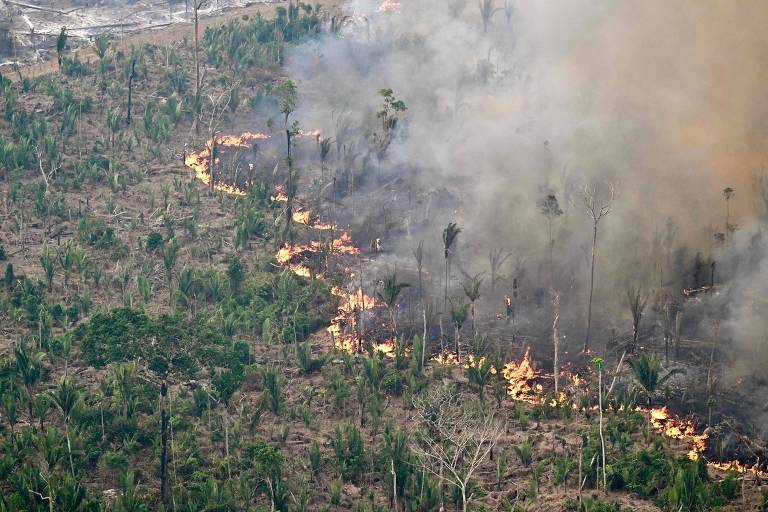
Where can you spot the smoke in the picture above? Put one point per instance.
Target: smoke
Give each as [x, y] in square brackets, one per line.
[663, 103]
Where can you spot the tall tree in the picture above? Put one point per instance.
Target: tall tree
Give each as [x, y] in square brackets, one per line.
[389, 295]
[472, 291]
[728, 194]
[29, 370]
[197, 4]
[450, 234]
[61, 44]
[598, 363]
[487, 10]
[551, 210]
[458, 317]
[597, 208]
[66, 397]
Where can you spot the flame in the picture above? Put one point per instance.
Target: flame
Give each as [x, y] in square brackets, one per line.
[351, 305]
[389, 5]
[311, 133]
[675, 428]
[519, 376]
[386, 347]
[200, 161]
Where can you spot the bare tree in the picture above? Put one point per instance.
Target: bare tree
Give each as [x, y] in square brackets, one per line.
[551, 210]
[496, 259]
[555, 318]
[637, 302]
[597, 208]
[197, 4]
[454, 438]
[418, 255]
[728, 194]
[219, 105]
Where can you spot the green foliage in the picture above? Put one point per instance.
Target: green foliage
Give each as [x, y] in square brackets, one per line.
[350, 452]
[3, 255]
[273, 389]
[524, 453]
[154, 241]
[307, 364]
[647, 369]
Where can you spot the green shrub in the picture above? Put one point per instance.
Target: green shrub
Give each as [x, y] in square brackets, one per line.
[154, 240]
[392, 383]
[3, 255]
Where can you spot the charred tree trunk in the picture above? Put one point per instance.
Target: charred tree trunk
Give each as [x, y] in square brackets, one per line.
[130, 90]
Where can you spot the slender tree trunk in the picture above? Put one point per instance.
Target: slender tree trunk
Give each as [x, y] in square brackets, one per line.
[591, 289]
[69, 448]
[602, 440]
[165, 491]
[424, 338]
[556, 362]
[197, 69]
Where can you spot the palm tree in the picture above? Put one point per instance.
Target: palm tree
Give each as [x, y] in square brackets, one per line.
[472, 291]
[458, 317]
[450, 234]
[170, 253]
[647, 369]
[637, 303]
[487, 10]
[389, 295]
[479, 373]
[61, 44]
[29, 368]
[418, 255]
[550, 208]
[47, 262]
[123, 376]
[66, 398]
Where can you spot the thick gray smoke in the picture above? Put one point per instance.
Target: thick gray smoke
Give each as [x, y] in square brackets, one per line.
[663, 102]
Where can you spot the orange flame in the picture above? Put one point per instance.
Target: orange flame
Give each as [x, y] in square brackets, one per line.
[200, 161]
[519, 378]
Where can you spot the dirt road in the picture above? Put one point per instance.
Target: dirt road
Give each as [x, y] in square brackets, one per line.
[168, 34]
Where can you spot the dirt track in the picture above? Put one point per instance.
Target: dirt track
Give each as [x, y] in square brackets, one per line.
[166, 35]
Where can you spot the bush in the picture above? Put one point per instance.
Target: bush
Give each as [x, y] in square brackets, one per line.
[392, 383]
[154, 240]
[3, 255]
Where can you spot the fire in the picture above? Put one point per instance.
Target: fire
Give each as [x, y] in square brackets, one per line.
[200, 161]
[352, 304]
[389, 5]
[386, 347]
[675, 428]
[519, 376]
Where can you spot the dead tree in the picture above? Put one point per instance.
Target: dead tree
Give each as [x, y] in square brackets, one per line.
[454, 438]
[197, 4]
[597, 209]
[496, 259]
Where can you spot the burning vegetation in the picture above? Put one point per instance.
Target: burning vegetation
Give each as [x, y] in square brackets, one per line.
[402, 315]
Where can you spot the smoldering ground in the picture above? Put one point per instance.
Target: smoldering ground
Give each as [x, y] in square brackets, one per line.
[662, 104]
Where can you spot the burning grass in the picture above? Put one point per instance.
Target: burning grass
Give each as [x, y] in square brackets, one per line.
[200, 161]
